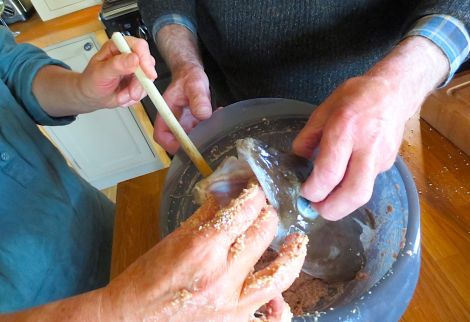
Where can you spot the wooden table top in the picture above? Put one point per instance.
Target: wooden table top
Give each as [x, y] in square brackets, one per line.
[45, 33]
[442, 176]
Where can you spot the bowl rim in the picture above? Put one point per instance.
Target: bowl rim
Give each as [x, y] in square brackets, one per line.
[203, 136]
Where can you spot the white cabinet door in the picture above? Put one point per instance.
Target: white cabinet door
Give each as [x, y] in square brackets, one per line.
[76, 52]
[106, 146]
[49, 9]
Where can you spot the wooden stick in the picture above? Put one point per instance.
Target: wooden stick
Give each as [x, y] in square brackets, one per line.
[165, 111]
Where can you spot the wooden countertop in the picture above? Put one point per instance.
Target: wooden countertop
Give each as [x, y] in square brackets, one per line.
[442, 176]
[46, 33]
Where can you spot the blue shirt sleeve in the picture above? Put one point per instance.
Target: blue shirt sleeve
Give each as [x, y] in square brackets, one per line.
[449, 34]
[19, 64]
[169, 19]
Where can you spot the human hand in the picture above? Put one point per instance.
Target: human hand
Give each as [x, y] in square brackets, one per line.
[203, 270]
[359, 128]
[188, 97]
[358, 131]
[109, 80]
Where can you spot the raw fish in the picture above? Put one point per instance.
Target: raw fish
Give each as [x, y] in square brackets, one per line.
[225, 183]
[336, 249]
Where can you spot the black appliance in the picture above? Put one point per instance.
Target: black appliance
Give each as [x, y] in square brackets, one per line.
[123, 16]
[17, 10]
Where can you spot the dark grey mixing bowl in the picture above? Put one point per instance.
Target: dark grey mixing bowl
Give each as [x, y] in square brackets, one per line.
[393, 259]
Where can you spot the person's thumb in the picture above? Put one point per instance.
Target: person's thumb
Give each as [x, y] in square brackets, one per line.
[202, 110]
[199, 99]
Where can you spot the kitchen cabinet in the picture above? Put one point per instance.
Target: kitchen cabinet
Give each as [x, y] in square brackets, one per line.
[49, 9]
[106, 146]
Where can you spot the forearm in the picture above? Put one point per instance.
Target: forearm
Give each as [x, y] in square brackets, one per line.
[84, 307]
[178, 47]
[58, 92]
[414, 68]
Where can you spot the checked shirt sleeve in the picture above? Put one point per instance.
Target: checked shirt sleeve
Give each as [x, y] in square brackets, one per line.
[172, 19]
[449, 34]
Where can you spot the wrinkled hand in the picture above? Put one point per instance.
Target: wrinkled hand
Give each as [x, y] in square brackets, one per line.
[358, 130]
[203, 270]
[108, 80]
[188, 96]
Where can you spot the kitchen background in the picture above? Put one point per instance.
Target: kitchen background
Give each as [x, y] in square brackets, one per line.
[109, 147]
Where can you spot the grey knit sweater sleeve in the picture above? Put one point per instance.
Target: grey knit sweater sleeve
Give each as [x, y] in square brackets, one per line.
[298, 49]
[459, 9]
[151, 10]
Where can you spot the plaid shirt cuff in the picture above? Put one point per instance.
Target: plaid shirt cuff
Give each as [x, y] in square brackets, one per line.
[449, 34]
[172, 19]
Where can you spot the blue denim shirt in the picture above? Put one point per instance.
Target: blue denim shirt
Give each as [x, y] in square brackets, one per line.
[55, 229]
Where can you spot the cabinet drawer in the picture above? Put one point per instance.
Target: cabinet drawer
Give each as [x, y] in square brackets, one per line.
[76, 52]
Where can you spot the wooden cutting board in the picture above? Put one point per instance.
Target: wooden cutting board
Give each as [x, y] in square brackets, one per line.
[448, 111]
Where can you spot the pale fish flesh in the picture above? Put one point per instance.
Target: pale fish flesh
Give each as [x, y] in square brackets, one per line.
[225, 183]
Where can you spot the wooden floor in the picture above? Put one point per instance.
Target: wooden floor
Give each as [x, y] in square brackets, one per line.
[442, 175]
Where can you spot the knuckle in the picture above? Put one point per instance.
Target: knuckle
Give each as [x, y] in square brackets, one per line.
[200, 110]
[375, 131]
[116, 63]
[264, 237]
[328, 176]
[141, 43]
[346, 118]
[193, 243]
[267, 230]
[194, 85]
[199, 78]
[199, 101]
[363, 195]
